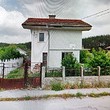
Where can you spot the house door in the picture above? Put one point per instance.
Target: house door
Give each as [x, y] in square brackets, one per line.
[44, 63]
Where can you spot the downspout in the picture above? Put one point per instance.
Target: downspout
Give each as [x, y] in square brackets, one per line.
[48, 55]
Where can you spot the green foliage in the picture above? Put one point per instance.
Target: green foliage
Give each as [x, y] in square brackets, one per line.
[54, 74]
[9, 52]
[25, 46]
[27, 98]
[71, 65]
[17, 73]
[102, 41]
[57, 86]
[85, 56]
[78, 94]
[69, 61]
[34, 74]
[100, 58]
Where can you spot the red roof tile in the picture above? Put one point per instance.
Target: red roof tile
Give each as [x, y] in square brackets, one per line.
[56, 22]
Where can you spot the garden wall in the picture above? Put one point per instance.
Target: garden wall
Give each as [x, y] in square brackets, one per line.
[87, 79]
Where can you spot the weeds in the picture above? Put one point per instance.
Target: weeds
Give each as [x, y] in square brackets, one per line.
[57, 86]
[65, 96]
[79, 85]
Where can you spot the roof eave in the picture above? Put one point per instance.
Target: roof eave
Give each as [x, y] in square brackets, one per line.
[81, 28]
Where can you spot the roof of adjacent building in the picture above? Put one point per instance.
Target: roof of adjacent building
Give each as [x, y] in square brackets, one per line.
[108, 48]
[55, 23]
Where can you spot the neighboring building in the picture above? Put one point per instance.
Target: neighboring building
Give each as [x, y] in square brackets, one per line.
[52, 38]
[21, 51]
[108, 48]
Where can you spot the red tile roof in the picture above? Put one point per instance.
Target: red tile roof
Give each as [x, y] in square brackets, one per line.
[55, 22]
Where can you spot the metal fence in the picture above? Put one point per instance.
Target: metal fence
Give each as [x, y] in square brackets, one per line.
[14, 76]
[53, 72]
[57, 72]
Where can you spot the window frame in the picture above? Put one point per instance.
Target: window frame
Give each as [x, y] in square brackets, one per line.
[65, 53]
[41, 37]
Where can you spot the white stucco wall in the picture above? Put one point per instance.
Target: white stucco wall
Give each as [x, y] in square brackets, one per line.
[38, 47]
[63, 38]
[60, 41]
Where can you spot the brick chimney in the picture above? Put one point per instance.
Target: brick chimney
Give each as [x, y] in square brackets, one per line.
[52, 16]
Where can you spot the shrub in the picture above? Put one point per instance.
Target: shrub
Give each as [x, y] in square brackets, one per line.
[54, 74]
[71, 64]
[57, 86]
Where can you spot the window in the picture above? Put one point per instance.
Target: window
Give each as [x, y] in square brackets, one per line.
[44, 59]
[65, 53]
[41, 37]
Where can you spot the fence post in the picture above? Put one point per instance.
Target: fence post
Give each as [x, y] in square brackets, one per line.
[25, 73]
[82, 74]
[3, 70]
[63, 73]
[2, 81]
[43, 76]
[98, 67]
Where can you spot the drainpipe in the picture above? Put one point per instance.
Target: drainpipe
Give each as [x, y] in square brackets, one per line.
[48, 46]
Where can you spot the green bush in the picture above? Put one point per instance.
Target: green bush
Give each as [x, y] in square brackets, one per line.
[100, 58]
[54, 74]
[71, 65]
[9, 52]
[57, 86]
[70, 62]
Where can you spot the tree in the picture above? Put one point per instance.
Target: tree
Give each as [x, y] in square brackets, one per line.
[71, 65]
[9, 52]
[102, 41]
[69, 61]
[85, 56]
[100, 58]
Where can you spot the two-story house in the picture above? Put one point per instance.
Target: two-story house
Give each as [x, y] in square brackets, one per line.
[52, 38]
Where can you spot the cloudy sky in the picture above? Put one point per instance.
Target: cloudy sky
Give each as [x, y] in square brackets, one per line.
[14, 12]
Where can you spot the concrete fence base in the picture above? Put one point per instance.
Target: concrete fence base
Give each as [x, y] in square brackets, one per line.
[47, 81]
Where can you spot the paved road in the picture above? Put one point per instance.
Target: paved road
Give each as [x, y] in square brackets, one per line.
[87, 103]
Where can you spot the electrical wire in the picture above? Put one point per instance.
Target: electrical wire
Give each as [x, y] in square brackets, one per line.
[97, 14]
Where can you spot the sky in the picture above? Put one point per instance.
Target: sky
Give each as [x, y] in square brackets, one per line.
[14, 12]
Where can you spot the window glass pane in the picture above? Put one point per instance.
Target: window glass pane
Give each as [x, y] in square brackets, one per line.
[41, 36]
[65, 53]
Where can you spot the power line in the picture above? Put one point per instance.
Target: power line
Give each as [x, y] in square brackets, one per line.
[103, 14]
[98, 13]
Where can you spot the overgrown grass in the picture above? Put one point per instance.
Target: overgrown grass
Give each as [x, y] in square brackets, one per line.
[65, 96]
[17, 73]
[34, 74]
[57, 86]
[78, 85]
